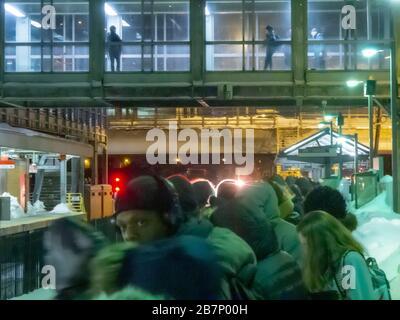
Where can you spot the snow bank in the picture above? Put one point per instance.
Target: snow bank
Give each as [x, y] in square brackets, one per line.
[381, 239]
[379, 233]
[36, 209]
[61, 208]
[377, 208]
[16, 209]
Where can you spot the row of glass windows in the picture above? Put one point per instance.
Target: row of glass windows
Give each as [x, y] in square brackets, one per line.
[154, 35]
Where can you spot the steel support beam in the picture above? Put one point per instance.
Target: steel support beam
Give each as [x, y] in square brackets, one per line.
[2, 48]
[197, 38]
[39, 180]
[97, 46]
[394, 74]
[63, 181]
[75, 175]
[371, 130]
[299, 45]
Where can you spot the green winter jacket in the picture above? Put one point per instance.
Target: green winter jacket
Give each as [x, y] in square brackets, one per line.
[278, 275]
[261, 196]
[235, 256]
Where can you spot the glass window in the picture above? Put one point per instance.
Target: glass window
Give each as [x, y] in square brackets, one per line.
[147, 36]
[33, 48]
[325, 20]
[258, 32]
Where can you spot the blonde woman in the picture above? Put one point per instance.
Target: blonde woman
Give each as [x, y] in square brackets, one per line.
[333, 260]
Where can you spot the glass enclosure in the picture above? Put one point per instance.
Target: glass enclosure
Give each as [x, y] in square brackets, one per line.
[147, 35]
[237, 38]
[32, 47]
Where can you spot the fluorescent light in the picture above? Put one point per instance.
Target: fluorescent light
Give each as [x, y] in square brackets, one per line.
[207, 12]
[321, 125]
[36, 24]
[14, 11]
[368, 53]
[110, 10]
[353, 83]
[328, 118]
[125, 24]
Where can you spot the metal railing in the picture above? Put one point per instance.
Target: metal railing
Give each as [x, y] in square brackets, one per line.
[71, 124]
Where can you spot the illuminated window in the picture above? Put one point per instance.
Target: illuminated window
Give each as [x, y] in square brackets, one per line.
[325, 25]
[30, 47]
[237, 38]
[148, 36]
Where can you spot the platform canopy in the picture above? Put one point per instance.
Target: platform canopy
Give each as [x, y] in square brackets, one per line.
[329, 153]
[25, 139]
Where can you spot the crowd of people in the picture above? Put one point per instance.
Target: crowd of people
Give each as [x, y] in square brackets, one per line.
[275, 239]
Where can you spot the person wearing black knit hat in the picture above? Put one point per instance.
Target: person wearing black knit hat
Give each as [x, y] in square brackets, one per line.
[330, 200]
[148, 209]
[187, 197]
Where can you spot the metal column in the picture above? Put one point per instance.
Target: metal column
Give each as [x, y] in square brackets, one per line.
[371, 129]
[395, 130]
[2, 48]
[356, 153]
[197, 38]
[393, 106]
[75, 174]
[63, 181]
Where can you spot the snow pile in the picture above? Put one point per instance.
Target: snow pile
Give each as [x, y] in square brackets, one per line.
[16, 209]
[61, 208]
[377, 208]
[37, 208]
[381, 239]
[379, 233]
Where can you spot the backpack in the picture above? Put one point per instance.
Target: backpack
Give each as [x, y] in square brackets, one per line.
[379, 280]
[378, 277]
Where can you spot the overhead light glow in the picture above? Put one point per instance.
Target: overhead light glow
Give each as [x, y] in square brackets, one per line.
[353, 83]
[110, 10]
[240, 183]
[36, 24]
[328, 118]
[368, 53]
[207, 12]
[125, 24]
[14, 11]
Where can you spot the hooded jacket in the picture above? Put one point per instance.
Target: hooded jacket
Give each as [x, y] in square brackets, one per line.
[235, 257]
[261, 197]
[278, 275]
[183, 268]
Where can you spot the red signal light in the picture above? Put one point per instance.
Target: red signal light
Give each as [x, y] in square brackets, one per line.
[117, 189]
[117, 179]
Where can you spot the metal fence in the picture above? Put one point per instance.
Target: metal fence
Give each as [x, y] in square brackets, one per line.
[365, 188]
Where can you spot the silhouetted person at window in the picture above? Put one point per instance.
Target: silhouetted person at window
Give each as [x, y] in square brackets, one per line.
[271, 39]
[319, 50]
[114, 48]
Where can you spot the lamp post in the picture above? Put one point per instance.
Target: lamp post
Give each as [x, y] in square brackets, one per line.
[394, 116]
[370, 92]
